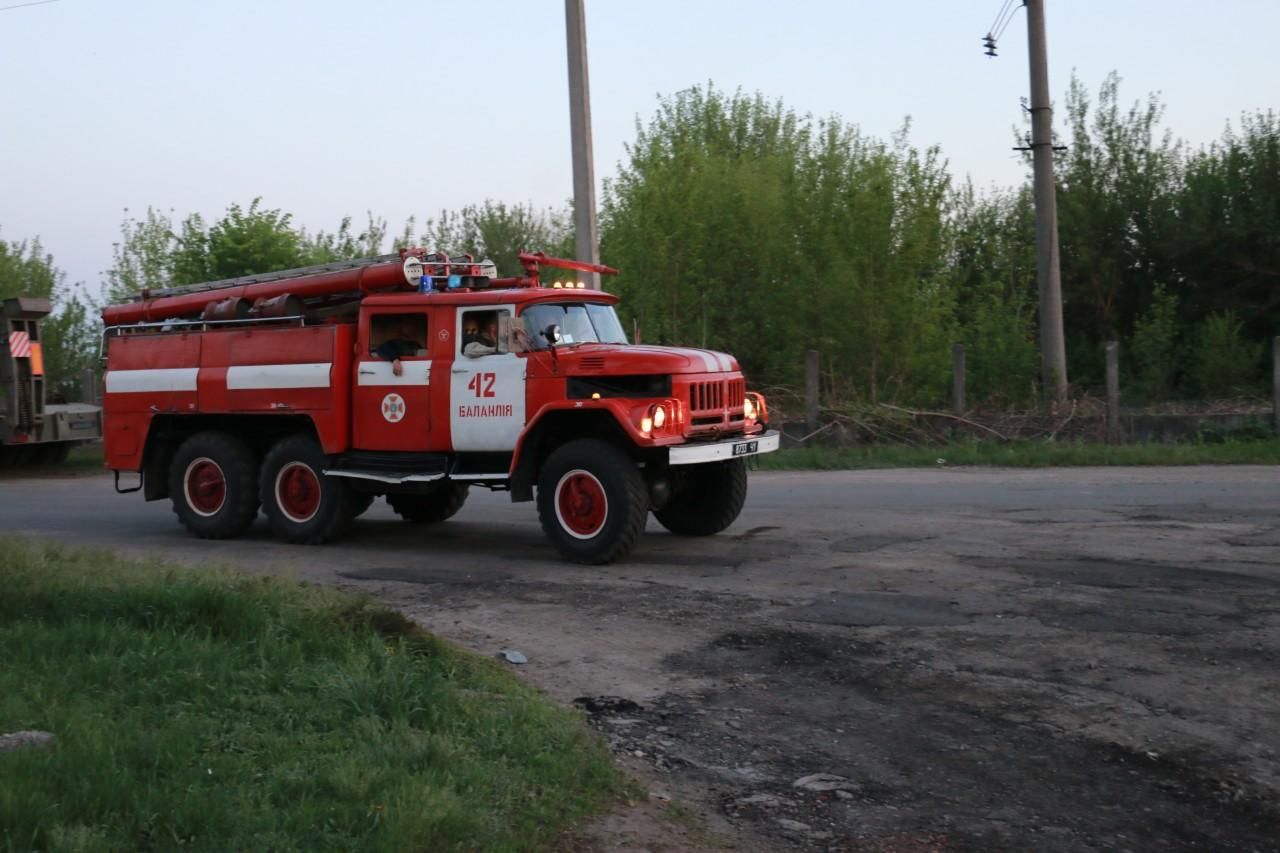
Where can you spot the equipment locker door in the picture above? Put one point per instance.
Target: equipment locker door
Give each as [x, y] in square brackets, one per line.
[392, 411]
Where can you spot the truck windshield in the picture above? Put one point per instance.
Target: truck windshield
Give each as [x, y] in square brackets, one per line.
[579, 322]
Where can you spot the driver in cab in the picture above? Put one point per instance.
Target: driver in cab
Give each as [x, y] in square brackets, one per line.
[480, 335]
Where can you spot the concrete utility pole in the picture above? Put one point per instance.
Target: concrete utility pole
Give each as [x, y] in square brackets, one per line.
[1053, 350]
[586, 236]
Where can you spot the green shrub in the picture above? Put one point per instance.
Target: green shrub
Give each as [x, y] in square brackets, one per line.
[1000, 351]
[1223, 363]
[1154, 345]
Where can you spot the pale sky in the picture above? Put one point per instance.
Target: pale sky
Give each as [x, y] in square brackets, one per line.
[334, 107]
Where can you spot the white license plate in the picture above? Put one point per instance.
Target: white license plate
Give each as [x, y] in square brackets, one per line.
[744, 448]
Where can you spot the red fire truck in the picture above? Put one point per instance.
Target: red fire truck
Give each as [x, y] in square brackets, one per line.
[311, 392]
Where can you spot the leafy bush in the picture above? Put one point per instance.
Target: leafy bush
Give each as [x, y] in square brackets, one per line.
[1155, 343]
[1000, 351]
[1223, 363]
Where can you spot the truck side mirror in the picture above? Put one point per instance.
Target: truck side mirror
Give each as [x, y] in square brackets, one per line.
[552, 334]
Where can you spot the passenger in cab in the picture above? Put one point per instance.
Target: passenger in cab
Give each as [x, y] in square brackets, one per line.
[407, 340]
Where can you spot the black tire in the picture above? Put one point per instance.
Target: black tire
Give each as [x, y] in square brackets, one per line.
[12, 456]
[303, 505]
[57, 453]
[592, 531]
[706, 498]
[439, 504]
[213, 484]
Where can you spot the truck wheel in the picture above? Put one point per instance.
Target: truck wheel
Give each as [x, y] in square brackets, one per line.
[592, 501]
[303, 505]
[431, 507]
[707, 499]
[212, 485]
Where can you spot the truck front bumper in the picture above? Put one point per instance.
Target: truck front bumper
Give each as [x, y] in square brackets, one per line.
[696, 453]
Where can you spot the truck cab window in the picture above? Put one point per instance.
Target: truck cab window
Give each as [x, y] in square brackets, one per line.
[480, 331]
[395, 336]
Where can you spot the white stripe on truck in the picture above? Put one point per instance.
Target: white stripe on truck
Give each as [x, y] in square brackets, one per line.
[158, 379]
[253, 377]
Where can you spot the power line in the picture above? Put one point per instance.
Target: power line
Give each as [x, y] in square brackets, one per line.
[1003, 18]
[999, 15]
[1013, 11]
[24, 5]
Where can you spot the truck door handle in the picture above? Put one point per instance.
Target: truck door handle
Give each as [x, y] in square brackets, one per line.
[368, 372]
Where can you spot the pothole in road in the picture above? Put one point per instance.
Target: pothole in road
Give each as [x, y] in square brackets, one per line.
[869, 609]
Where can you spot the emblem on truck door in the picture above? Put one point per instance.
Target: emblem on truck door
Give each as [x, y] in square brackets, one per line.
[393, 408]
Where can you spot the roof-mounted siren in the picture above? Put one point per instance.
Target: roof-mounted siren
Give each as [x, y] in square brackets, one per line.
[436, 271]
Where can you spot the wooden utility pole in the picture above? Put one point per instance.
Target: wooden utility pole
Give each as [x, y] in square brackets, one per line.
[1053, 351]
[586, 237]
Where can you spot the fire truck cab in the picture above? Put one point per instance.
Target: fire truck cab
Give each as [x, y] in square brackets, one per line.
[338, 386]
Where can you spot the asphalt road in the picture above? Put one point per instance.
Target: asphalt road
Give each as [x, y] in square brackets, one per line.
[1052, 659]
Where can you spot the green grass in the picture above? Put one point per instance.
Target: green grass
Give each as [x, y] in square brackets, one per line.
[211, 711]
[86, 456]
[1025, 454]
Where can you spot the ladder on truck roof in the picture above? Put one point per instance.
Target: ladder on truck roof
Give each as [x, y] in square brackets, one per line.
[262, 278]
[433, 261]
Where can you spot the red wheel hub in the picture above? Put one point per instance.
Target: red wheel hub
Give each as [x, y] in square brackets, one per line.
[298, 492]
[205, 486]
[581, 504]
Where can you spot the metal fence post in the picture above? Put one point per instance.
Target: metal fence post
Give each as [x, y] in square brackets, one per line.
[1275, 383]
[1113, 391]
[89, 386]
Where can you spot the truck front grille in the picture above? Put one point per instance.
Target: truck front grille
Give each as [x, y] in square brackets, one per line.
[716, 395]
[715, 406]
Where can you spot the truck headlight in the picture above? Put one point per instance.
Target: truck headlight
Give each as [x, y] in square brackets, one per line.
[749, 410]
[656, 417]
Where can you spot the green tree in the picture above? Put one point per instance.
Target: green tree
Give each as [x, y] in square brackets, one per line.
[1227, 244]
[344, 244]
[500, 232]
[153, 254]
[1116, 190]
[1223, 362]
[739, 225]
[143, 259]
[27, 270]
[991, 266]
[1154, 345]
